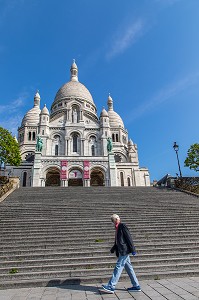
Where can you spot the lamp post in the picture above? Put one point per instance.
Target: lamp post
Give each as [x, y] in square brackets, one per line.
[176, 148]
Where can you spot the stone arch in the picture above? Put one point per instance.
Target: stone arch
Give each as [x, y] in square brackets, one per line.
[75, 142]
[120, 157]
[52, 176]
[61, 134]
[129, 181]
[97, 176]
[57, 143]
[75, 130]
[57, 140]
[29, 156]
[75, 176]
[75, 113]
[92, 145]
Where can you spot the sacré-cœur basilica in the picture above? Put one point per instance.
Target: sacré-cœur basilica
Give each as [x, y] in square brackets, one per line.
[77, 148]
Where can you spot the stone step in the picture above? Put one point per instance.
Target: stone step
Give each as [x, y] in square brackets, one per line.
[50, 233]
[100, 253]
[96, 260]
[62, 281]
[35, 242]
[67, 271]
[93, 236]
[148, 246]
[61, 251]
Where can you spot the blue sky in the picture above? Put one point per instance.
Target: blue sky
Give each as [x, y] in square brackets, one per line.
[145, 53]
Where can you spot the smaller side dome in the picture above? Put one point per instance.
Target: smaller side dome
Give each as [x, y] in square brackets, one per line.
[32, 116]
[114, 119]
[45, 110]
[104, 113]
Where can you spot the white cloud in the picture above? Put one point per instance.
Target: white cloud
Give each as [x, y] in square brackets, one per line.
[10, 114]
[12, 123]
[164, 95]
[124, 38]
[14, 105]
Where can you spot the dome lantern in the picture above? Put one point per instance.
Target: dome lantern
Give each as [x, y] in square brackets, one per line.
[37, 99]
[74, 72]
[110, 103]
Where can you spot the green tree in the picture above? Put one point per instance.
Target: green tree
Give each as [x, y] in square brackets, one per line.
[192, 160]
[9, 149]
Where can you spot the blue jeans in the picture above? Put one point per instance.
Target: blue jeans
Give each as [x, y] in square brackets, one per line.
[123, 262]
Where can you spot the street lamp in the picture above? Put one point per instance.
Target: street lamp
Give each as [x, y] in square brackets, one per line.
[176, 148]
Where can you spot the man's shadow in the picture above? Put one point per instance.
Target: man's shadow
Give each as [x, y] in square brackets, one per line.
[74, 285]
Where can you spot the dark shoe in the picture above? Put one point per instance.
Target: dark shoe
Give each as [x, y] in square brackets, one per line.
[134, 289]
[108, 289]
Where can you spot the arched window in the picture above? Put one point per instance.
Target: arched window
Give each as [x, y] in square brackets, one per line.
[33, 136]
[93, 150]
[113, 137]
[93, 145]
[75, 139]
[56, 149]
[129, 181]
[117, 139]
[24, 178]
[122, 178]
[56, 144]
[29, 135]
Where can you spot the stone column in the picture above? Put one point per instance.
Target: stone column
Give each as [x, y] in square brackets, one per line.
[112, 170]
[82, 147]
[66, 146]
[36, 180]
[86, 183]
[64, 183]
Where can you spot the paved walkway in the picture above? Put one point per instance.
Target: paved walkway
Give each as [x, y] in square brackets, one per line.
[165, 289]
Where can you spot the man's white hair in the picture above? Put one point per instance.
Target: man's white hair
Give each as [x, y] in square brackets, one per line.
[114, 217]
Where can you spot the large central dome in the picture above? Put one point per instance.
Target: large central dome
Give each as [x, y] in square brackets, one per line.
[73, 88]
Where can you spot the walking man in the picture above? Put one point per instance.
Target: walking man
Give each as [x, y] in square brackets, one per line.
[123, 247]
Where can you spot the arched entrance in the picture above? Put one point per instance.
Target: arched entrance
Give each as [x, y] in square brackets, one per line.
[53, 177]
[75, 178]
[97, 177]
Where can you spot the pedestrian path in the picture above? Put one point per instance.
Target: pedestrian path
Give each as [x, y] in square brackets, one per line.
[165, 289]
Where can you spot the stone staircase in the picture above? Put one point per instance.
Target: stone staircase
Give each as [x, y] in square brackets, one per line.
[53, 236]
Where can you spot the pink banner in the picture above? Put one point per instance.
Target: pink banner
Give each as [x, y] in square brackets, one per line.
[64, 169]
[86, 169]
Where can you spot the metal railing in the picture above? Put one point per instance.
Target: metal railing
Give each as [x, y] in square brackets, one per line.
[190, 184]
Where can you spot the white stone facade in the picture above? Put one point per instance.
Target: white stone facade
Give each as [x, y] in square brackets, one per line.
[75, 143]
